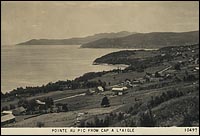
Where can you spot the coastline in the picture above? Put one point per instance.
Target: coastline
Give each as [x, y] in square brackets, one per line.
[136, 49]
[107, 64]
[118, 66]
[61, 63]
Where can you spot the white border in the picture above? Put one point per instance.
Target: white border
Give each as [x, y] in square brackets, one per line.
[102, 131]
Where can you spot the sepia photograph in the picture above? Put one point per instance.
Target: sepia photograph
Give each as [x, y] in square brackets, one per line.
[99, 67]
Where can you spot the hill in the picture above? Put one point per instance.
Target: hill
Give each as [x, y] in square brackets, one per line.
[75, 41]
[145, 58]
[147, 40]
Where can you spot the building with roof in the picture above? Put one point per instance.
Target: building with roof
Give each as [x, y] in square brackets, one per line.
[7, 112]
[40, 102]
[119, 90]
[7, 118]
[100, 88]
[19, 111]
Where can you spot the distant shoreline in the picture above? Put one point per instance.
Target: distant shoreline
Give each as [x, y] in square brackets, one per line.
[107, 64]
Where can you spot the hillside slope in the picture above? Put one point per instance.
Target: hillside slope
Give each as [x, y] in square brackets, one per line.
[147, 40]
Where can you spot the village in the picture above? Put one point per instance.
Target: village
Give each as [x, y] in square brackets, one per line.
[118, 102]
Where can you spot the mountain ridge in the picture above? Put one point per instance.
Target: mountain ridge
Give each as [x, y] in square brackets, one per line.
[76, 40]
[147, 40]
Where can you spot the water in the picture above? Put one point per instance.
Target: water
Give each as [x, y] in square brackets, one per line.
[31, 65]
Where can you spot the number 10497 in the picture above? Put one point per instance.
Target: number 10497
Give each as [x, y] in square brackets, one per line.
[191, 129]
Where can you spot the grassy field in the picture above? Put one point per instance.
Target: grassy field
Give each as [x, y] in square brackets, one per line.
[55, 95]
[62, 119]
[91, 104]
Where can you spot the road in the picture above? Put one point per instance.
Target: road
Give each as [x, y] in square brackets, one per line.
[82, 94]
[165, 69]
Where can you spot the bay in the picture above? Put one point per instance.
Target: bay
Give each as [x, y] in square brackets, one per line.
[35, 65]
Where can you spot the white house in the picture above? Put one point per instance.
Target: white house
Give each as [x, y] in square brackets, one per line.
[40, 102]
[7, 118]
[7, 112]
[100, 88]
[119, 90]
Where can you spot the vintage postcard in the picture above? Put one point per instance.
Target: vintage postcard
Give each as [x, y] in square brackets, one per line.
[100, 67]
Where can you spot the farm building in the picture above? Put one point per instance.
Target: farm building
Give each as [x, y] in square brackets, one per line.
[7, 118]
[119, 90]
[100, 88]
[135, 81]
[40, 102]
[7, 112]
[19, 110]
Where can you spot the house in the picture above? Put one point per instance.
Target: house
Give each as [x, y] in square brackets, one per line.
[80, 114]
[136, 82]
[141, 80]
[7, 112]
[128, 83]
[19, 111]
[163, 54]
[7, 118]
[100, 89]
[196, 68]
[119, 90]
[40, 102]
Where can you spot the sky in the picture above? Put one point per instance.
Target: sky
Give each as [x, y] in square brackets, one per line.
[22, 21]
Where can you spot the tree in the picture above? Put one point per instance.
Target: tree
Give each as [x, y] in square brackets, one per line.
[5, 108]
[40, 124]
[31, 105]
[64, 107]
[48, 101]
[12, 106]
[130, 109]
[106, 121]
[82, 124]
[120, 116]
[190, 78]
[186, 121]
[177, 66]
[133, 123]
[105, 102]
[146, 119]
[23, 102]
[96, 121]
[2, 95]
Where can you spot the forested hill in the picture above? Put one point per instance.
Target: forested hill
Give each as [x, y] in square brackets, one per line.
[147, 40]
[77, 40]
[145, 57]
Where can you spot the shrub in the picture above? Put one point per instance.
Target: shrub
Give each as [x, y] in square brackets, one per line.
[146, 119]
[40, 124]
[177, 66]
[105, 102]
